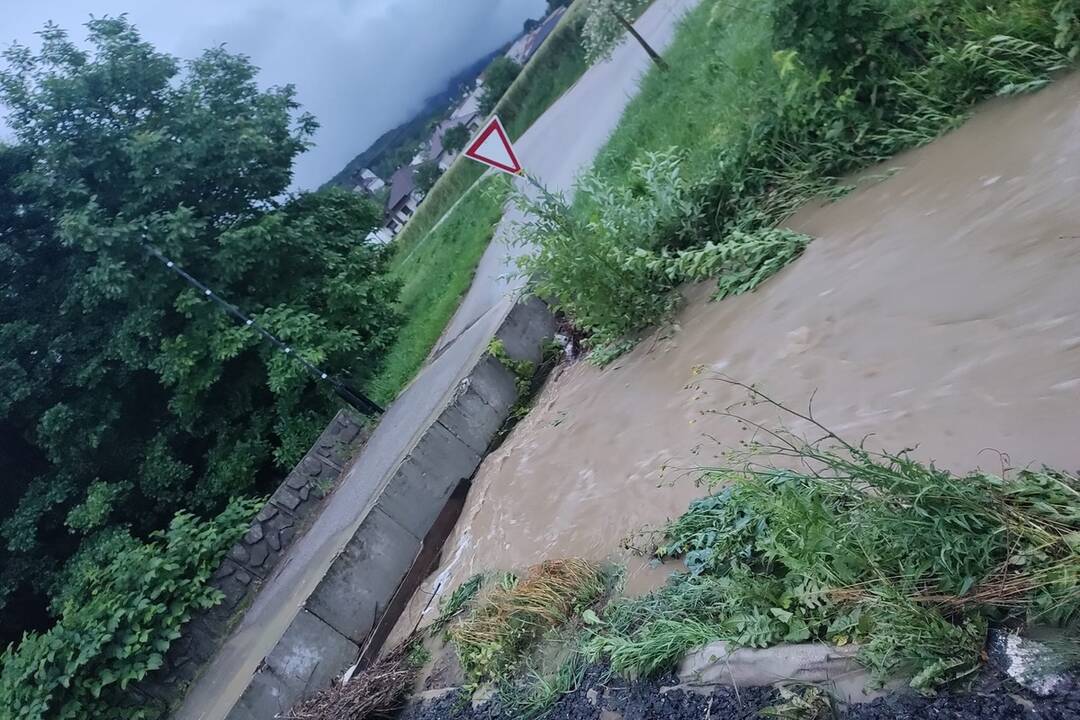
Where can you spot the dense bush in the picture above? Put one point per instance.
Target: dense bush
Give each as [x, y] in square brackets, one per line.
[116, 623]
[863, 80]
[612, 271]
[498, 77]
[581, 263]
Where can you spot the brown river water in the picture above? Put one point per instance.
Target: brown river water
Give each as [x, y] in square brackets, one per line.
[937, 308]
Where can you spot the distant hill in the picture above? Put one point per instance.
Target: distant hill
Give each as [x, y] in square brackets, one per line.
[397, 146]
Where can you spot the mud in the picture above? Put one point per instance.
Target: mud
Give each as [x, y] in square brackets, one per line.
[602, 699]
[938, 308]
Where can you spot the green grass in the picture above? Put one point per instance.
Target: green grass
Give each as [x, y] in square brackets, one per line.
[721, 74]
[435, 276]
[773, 94]
[448, 189]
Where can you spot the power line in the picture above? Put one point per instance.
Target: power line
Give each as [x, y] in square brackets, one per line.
[353, 397]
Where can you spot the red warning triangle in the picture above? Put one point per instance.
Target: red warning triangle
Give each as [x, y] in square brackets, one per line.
[492, 147]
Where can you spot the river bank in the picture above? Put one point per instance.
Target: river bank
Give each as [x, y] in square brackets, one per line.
[935, 309]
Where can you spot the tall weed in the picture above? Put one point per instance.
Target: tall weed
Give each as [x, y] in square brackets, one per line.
[833, 542]
[612, 270]
[493, 637]
[581, 262]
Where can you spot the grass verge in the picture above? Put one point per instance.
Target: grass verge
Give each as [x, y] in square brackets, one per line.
[828, 541]
[722, 81]
[435, 276]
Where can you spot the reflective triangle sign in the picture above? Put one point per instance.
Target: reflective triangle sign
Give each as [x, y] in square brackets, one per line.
[492, 147]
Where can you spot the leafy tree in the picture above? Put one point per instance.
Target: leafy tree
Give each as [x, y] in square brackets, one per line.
[498, 77]
[455, 138]
[426, 174]
[530, 25]
[605, 23]
[123, 394]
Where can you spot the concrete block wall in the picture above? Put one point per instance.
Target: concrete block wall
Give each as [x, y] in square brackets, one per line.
[308, 657]
[355, 589]
[290, 510]
[394, 538]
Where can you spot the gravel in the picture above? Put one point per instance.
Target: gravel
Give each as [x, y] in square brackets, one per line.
[993, 698]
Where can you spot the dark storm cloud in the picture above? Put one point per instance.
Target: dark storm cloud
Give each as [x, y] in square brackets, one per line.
[360, 66]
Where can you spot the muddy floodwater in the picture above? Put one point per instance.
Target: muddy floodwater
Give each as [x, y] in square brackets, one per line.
[937, 308]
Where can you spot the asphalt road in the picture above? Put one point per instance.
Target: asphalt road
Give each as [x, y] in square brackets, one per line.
[555, 149]
[560, 145]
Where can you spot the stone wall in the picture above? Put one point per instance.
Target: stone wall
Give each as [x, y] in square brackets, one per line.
[290, 511]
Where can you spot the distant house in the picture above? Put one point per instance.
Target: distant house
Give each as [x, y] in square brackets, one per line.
[540, 33]
[436, 151]
[404, 198]
[468, 111]
[527, 45]
[519, 48]
[369, 184]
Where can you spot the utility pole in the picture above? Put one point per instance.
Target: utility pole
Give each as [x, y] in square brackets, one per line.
[660, 62]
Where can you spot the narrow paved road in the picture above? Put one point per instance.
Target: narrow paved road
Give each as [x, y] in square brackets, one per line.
[559, 145]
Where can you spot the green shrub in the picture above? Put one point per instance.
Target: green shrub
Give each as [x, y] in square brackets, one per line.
[121, 623]
[612, 267]
[909, 560]
[581, 263]
[523, 370]
[740, 262]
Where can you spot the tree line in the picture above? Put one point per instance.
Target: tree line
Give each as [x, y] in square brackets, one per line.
[125, 397]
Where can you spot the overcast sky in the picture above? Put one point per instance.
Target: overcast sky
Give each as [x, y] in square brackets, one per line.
[360, 66]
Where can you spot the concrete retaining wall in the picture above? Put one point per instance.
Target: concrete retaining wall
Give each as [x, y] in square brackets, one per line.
[400, 534]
